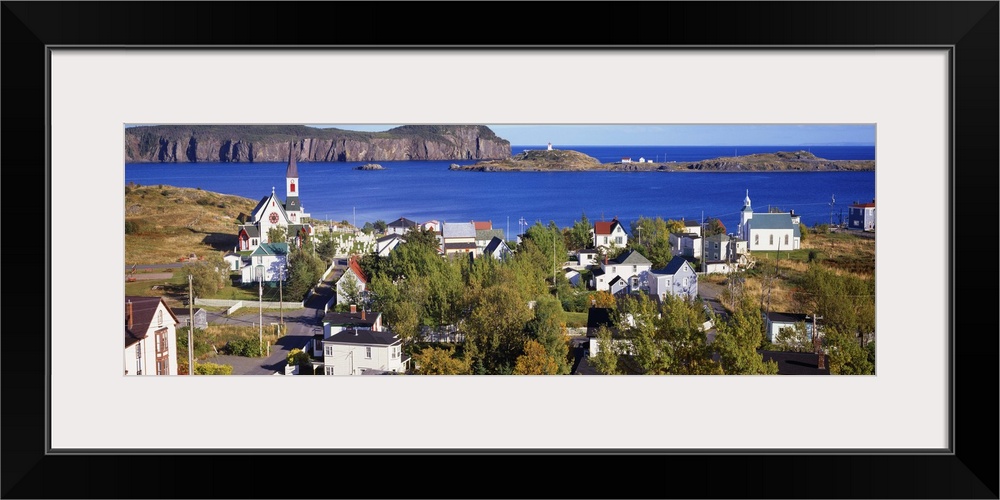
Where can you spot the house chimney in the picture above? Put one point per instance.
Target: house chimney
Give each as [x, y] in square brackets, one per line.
[354, 308]
[605, 260]
[821, 364]
[128, 314]
[362, 314]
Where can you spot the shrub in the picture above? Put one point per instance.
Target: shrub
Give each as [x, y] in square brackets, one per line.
[246, 347]
[132, 227]
[212, 369]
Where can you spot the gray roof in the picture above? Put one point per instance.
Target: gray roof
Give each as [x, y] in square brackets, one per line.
[363, 337]
[143, 314]
[772, 221]
[598, 272]
[589, 250]
[263, 204]
[260, 205]
[781, 317]
[293, 203]
[632, 257]
[675, 264]
[494, 244]
[458, 230]
[389, 237]
[251, 230]
[488, 234]
[691, 223]
[402, 222]
[717, 238]
[350, 319]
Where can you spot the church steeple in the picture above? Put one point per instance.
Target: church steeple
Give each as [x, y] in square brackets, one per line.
[293, 207]
[746, 201]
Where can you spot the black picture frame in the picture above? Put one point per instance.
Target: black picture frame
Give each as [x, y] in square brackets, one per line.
[969, 28]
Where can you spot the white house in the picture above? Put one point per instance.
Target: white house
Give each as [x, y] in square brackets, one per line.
[400, 226]
[572, 275]
[352, 273]
[775, 321]
[861, 216]
[458, 237]
[686, 244]
[234, 260]
[498, 249]
[271, 212]
[719, 247]
[485, 236]
[587, 257]
[358, 352]
[271, 259]
[769, 231]
[433, 225]
[386, 244]
[677, 278]
[627, 270]
[609, 234]
[336, 322]
[150, 337]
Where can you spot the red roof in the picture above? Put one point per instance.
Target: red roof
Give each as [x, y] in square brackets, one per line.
[863, 205]
[605, 227]
[353, 264]
[482, 226]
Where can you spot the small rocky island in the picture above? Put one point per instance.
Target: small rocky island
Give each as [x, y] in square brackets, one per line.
[556, 160]
[370, 166]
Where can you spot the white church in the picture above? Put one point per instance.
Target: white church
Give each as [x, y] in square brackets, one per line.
[768, 231]
[272, 212]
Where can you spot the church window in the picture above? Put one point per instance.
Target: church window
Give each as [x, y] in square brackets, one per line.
[756, 239]
[771, 240]
[786, 239]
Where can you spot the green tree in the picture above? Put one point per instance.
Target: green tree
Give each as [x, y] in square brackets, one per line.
[212, 369]
[327, 247]
[304, 271]
[551, 244]
[606, 359]
[737, 339]
[535, 361]
[676, 226]
[795, 339]
[651, 238]
[380, 226]
[421, 236]
[646, 352]
[603, 299]
[277, 234]
[208, 276]
[803, 231]
[578, 236]
[353, 293]
[494, 330]
[846, 356]
[368, 228]
[680, 324]
[548, 327]
[435, 361]
[714, 226]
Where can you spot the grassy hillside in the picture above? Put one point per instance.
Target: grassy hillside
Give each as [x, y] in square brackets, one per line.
[164, 223]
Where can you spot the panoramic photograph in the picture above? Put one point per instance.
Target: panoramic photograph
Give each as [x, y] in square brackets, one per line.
[499, 249]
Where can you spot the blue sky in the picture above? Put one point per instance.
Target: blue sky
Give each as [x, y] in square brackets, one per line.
[675, 135]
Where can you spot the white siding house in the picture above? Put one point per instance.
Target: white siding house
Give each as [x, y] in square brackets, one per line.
[609, 234]
[628, 267]
[677, 278]
[150, 337]
[269, 260]
[357, 352]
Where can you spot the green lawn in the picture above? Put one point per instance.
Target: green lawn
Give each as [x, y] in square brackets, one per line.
[575, 319]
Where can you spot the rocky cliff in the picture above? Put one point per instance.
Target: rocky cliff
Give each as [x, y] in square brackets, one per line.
[784, 161]
[538, 161]
[271, 143]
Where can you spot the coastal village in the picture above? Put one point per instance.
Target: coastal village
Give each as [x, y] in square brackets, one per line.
[463, 297]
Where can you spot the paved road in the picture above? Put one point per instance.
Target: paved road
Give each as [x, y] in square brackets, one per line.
[175, 265]
[301, 324]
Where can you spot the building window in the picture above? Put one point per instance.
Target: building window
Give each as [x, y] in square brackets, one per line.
[618, 239]
[756, 239]
[786, 239]
[635, 269]
[329, 350]
[328, 370]
[159, 318]
[605, 239]
[771, 240]
[368, 352]
[162, 368]
[138, 358]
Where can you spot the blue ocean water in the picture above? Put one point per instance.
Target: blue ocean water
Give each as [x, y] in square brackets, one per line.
[426, 190]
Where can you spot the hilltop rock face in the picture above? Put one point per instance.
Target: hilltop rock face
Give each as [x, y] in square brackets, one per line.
[212, 143]
[801, 161]
[538, 161]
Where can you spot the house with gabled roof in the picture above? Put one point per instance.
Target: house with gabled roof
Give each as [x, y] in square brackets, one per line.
[268, 263]
[628, 268]
[484, 237]
[861, 216]
[676, 278]
[458, 237]
[610, 234]
[352, 272]
[400, 226]
[386, 244]
[498, 249]
[150, 337]
[335, 322]
[363, 352]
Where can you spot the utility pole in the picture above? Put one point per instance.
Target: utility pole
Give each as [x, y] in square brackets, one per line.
[260, 311]
[638, 230]
[191, 325]
[281, 297]
[817, 344]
